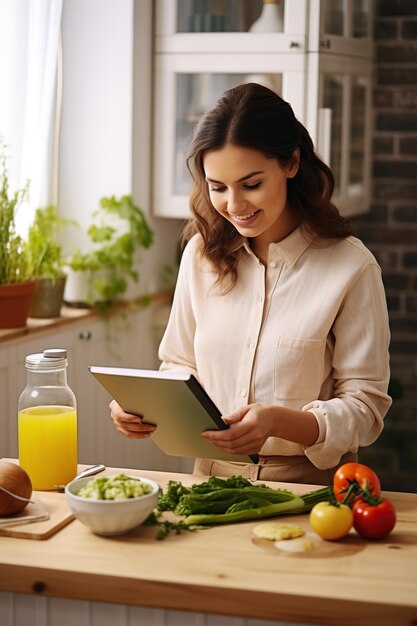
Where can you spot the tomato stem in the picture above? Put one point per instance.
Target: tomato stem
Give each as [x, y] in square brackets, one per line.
[368, 496]
[351, 492]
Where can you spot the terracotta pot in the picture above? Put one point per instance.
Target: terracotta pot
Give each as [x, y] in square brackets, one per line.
[14, 303]
[47, 297]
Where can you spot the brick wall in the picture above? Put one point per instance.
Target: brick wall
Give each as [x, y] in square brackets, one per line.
[390, 231]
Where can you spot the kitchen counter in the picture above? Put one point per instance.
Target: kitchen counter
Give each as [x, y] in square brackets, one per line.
[224, 570]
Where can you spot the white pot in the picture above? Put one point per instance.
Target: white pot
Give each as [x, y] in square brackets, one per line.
[77, 288]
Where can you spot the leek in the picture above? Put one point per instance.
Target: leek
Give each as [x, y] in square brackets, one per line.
[234, 499]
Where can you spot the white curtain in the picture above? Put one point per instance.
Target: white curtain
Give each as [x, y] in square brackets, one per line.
[30, 96]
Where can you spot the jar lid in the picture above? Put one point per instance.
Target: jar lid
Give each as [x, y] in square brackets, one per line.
[48, 359]
[55, 353]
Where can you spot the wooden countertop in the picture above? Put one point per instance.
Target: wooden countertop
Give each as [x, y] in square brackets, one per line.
[223, 570]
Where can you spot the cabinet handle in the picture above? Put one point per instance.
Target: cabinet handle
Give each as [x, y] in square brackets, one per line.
[294, 44]
[85, 335]
[325, 43]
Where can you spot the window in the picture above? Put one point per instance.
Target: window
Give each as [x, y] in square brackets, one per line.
[29, 101]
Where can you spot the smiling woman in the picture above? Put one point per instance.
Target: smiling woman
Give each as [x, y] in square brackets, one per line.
[279, 311]
[252, 194]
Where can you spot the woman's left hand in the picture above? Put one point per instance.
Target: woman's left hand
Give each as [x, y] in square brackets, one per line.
[250, 427]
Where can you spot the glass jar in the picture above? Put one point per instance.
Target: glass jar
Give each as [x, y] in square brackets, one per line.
[47, 421]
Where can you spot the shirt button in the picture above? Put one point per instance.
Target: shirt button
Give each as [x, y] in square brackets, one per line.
[251, 345]
[272, 264]
[243, 393]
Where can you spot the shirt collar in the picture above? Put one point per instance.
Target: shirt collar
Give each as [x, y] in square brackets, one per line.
[289, 249]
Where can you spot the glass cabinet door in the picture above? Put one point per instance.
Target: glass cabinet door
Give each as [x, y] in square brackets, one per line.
[347, 19]
[345, 26]
[276, 25]
[359, 93]
[195, 94]
[186, 86]
[344, 130]
[216, 16]
[331, 124]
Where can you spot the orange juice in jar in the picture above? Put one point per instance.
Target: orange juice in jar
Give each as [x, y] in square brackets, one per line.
[47, 422]
[48, 444]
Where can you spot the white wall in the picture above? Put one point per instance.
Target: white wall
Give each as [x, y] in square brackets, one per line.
[105, 144]
[167, 231]
[96, 124]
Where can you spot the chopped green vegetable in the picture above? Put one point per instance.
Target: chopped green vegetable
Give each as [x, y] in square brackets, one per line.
[120, 487]
[165, 527]
[234, 499]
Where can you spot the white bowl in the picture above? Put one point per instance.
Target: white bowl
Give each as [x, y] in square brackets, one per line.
[111, 517]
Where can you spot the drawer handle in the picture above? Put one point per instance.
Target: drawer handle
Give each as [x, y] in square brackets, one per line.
[85, 335]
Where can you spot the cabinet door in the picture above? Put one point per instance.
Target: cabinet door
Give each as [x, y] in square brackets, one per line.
[120, 341]
[184, 93]
[9, 395]
[341, 27]
[187, 20]
[340, 122]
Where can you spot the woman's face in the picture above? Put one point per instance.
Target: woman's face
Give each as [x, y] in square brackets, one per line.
[250, 191]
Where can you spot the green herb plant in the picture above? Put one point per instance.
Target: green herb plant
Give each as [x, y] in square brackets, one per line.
[14, 266]
[227, 500]
[43, 249]
[111, 261]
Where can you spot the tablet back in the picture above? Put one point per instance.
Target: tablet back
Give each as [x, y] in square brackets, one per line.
[175, 402]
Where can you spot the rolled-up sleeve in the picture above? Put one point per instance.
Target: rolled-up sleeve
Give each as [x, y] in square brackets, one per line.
[354, 416]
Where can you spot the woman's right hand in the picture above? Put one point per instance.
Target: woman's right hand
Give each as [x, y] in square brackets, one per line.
[129, 425]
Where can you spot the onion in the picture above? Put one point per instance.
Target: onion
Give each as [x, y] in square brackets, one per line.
[16, 480]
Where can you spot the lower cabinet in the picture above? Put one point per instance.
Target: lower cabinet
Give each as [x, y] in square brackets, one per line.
[125, 340]
[20, 610]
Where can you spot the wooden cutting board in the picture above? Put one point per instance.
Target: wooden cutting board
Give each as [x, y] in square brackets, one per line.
[55, 505]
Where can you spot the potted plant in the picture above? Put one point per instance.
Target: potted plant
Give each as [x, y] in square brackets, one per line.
[16, 281]
[105, 271]
[46, 262]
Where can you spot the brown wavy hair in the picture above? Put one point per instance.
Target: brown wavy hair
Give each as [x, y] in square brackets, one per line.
[253, 116]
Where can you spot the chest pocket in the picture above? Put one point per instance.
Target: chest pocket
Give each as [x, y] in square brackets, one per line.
[299, 366]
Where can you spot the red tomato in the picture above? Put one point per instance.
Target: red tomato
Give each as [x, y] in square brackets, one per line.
[373, 521]
[355, 473]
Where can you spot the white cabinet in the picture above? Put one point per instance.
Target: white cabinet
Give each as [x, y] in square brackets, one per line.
[8, 416]
[320, 62]
[339, 88]
[122, 340]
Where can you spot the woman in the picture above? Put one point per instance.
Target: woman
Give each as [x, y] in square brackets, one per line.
[278, 310]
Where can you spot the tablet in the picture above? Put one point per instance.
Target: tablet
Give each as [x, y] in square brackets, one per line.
[174, 401]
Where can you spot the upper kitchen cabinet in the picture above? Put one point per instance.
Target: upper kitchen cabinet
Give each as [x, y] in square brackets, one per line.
[341, 27]
[316, 54]
[339, 87]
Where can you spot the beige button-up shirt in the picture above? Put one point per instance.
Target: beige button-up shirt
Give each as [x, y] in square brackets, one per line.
[309, 331]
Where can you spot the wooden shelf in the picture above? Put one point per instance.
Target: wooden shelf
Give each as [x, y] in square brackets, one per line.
[71, 315]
